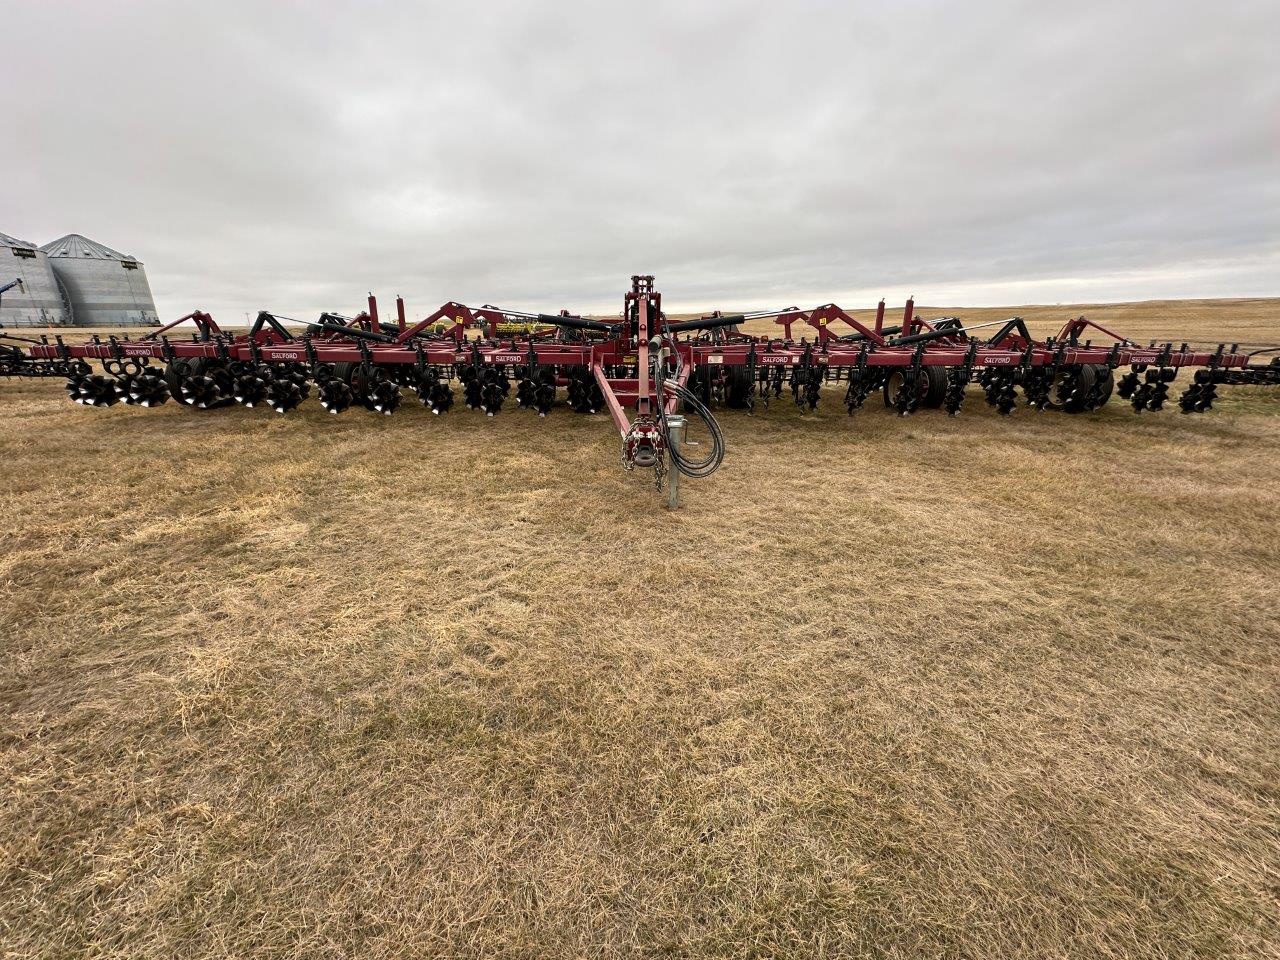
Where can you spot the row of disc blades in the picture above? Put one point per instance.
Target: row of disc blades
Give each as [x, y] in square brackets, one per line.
[282, 387]
[95, 390]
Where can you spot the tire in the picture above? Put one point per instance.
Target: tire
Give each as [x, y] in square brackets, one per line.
[936, 390]
[738, 388]
[1087, 377]
[1107, 378]
[700, 384]
[924, 386]
[349, 372]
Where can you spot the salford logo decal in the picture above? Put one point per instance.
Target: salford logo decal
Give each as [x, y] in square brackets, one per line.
[1000, 360]
[137, 351]
[507, 358]
[287, 356]
[769, 360]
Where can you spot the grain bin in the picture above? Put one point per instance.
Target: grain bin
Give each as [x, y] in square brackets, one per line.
[40, 301]
[106, 288]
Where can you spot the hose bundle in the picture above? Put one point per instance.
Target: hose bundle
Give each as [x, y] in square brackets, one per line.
[696, 469]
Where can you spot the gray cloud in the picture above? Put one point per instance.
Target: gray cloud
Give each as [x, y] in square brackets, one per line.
[293, 156]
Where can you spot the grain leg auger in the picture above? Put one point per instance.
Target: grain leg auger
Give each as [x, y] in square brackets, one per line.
[654, 377]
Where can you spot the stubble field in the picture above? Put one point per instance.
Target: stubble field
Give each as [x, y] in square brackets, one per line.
[358, 686]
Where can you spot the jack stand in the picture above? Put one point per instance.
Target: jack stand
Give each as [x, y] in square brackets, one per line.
[675, 436]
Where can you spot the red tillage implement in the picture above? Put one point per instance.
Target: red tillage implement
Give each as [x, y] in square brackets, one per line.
[650, 374]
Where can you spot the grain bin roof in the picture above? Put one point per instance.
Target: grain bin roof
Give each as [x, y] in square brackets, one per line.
[74, 245]
[8, 241]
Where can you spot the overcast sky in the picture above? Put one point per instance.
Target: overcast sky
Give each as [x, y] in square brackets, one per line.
[292, 156]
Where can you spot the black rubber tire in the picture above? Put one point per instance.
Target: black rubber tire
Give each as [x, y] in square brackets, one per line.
[936, 391]
[349, 372]
[700, 384]
[1088, 374]
[1107, 377]
[738, 388]
[895, 377]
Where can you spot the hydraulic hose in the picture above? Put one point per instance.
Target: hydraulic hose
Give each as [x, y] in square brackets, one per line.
[695, 469]
[355, 333]
[578, 323]
[703, 323]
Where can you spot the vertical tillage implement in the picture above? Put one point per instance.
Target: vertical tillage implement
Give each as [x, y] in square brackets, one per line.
[641, 368]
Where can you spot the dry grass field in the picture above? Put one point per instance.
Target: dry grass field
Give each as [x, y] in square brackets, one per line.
[310, 686]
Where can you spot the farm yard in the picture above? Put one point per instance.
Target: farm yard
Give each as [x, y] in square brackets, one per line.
[418, 686]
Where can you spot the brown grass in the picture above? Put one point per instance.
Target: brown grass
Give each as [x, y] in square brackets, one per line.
[315, 686]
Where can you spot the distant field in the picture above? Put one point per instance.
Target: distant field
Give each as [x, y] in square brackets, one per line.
[410, 687]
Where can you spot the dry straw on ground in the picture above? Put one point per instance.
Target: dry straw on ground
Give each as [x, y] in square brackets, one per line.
[315, 686]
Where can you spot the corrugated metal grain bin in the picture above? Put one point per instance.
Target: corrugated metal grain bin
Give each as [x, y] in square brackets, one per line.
[106, 288]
